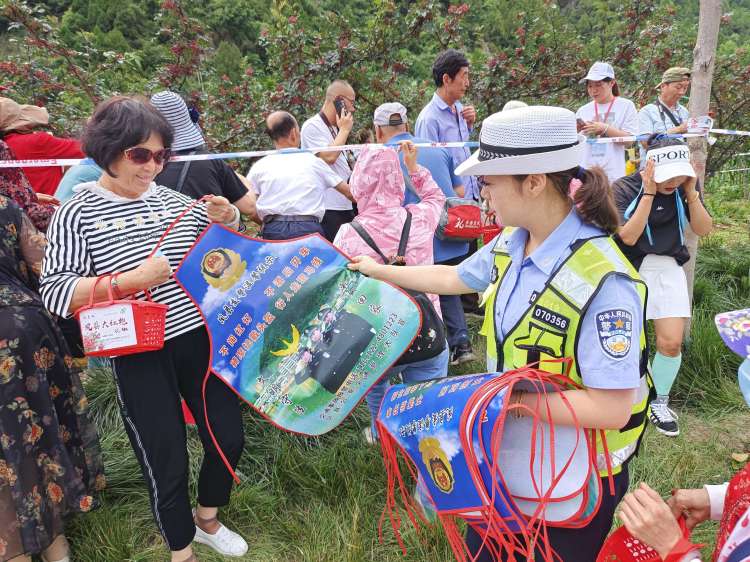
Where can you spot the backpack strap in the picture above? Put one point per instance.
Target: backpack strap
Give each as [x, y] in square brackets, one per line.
[401, 255]
[400, 258]
[183, 174]
[359, 229]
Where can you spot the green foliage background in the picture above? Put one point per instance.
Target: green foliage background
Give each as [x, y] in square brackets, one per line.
[239, 59]
[304, 499]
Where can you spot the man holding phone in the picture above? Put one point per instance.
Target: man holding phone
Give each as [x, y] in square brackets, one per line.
[331, 127]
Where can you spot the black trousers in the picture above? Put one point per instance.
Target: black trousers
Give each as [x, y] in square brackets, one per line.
[149, 387]
[332, 221]
[573, 545]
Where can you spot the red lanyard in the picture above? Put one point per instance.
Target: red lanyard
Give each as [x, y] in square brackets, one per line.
[596, 109]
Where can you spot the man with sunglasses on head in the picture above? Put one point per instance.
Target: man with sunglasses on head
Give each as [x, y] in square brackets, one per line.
[331, 126]
[291, 187]
[666, 114]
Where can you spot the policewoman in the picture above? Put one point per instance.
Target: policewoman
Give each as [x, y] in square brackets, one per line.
[555, 286]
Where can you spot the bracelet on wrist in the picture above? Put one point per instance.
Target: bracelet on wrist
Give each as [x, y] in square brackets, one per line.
[235, 216]
[118, 294]
[694, 198]
[648, 195]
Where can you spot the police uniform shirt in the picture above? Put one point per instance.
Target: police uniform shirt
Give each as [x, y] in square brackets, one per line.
[599, 367]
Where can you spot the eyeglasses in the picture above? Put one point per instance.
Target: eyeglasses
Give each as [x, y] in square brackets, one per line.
[140, 155]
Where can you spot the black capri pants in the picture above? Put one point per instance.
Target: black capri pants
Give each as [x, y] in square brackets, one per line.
[149, 387]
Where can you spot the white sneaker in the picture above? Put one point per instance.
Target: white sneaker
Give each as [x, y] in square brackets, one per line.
[223, 541]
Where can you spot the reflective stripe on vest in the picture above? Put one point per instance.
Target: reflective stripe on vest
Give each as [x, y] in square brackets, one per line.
[549, 329]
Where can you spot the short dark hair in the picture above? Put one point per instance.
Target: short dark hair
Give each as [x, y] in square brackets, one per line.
[282, 127]
[119, 123]
[448, 62]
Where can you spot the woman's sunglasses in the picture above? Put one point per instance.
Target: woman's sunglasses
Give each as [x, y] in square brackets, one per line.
[139, 155]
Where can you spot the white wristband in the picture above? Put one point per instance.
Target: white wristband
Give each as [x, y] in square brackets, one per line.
[235, 219]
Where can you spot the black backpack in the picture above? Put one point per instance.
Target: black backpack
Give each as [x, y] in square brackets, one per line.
[430, 340]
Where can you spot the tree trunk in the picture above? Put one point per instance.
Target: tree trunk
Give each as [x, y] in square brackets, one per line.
[704, 57]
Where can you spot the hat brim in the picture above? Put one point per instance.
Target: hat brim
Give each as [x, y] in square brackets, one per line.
[595, 78]
[669, 171]
[538, 163]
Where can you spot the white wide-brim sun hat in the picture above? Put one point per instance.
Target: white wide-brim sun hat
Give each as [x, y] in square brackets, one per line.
[537, 139]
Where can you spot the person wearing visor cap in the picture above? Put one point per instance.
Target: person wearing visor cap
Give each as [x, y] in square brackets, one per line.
[606, 115]
[666, 114]
[527, 164]
[655, 207]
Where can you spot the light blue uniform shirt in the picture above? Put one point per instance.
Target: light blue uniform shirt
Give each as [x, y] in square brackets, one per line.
[598, 366]
[439, 123]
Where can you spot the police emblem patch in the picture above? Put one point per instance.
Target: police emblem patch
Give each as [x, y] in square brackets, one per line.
[615, 330]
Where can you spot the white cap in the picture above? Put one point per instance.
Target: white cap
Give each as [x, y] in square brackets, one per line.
[389, 114]
[670, 162]
[526, 140]
[599, 71]
[514, 104]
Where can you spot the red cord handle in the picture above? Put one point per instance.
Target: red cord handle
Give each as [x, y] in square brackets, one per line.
[175, 221]
[109, 288]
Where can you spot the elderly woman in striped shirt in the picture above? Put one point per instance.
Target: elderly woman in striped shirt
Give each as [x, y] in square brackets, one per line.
[109, 227]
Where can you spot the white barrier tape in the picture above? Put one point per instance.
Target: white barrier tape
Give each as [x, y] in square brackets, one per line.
[261, 153]
[731, 132]
[232, 155]
[734, 170]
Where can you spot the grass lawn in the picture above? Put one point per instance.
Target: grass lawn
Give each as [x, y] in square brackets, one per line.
[305, 499]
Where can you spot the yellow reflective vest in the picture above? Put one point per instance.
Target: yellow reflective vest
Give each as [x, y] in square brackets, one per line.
[550, 328]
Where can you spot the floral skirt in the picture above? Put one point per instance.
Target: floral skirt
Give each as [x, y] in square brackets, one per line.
[50, 460]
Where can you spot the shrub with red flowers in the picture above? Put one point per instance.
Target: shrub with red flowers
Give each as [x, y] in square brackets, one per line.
[384, 49]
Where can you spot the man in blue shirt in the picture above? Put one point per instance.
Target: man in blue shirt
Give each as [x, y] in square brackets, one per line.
[444, 118]
[391, 126]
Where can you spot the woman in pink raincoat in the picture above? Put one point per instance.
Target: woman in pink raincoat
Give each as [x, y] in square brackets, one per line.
[377, 185]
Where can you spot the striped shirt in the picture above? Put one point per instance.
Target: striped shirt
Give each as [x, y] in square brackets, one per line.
[97, 232]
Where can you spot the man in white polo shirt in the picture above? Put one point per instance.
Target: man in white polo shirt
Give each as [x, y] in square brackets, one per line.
[331, 126]
[291, 187]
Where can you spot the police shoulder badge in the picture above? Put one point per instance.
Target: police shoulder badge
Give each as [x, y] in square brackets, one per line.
[437, 463]
[615, 330]
[222, 268]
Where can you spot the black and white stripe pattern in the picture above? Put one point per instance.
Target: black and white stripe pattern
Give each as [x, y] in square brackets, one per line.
[186, 133]
[89, 236]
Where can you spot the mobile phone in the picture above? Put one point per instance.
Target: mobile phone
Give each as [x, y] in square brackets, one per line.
[580, 124]
[339, 104]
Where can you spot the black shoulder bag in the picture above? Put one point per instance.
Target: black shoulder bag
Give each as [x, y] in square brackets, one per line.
[430, 340]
